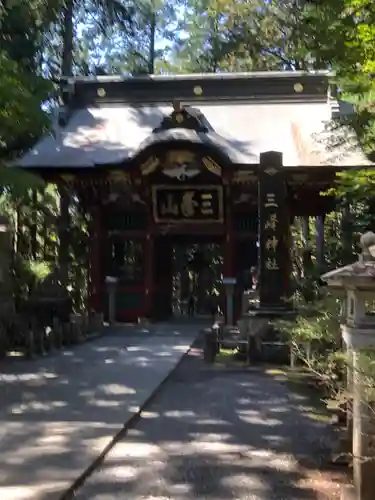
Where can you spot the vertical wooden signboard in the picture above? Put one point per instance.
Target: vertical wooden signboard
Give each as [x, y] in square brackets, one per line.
[274, 252]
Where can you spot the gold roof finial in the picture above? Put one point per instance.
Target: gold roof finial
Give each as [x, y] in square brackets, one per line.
[177, 106]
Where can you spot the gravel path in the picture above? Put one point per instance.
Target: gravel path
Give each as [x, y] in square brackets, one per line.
[217, 434]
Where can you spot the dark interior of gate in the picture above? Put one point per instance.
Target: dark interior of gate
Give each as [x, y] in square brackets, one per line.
[191, 180]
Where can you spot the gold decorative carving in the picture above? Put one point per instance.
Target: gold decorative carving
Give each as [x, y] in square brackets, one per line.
[198, 90]
[179, 118]
[68, 178]
[150, 165]
[270, 171]
[212, 166]
[178, 157]
[119, 176]
[243, 198]
[188, 204]
[137, 199]
[245, 177]
[300, 178]
[177, 106]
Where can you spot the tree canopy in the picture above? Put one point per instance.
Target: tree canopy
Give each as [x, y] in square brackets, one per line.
[40, 40]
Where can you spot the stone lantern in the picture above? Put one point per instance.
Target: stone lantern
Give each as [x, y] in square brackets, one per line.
[357, 281]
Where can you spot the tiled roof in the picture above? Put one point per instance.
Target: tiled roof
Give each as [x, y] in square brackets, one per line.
[115, 132]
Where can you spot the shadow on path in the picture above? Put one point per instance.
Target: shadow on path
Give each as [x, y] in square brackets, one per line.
[58, 413]
[216, 434]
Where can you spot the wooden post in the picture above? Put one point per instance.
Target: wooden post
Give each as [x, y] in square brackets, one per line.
[148, 256]
[228, 254]
[64, 240]
[228, 251]
[274, 230]
[95, 262]
[319, 225]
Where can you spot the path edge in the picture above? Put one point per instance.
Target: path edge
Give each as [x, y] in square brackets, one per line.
[70, 492]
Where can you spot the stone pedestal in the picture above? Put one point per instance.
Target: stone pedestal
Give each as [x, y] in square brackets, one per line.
[95, 322]
[250, 299]
[362, 424]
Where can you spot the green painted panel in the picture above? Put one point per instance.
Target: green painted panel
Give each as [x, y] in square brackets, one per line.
[129, 300]
[125, 221]
[124, 259]
[246, 223]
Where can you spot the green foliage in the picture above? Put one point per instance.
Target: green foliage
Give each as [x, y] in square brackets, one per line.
[315, 340]
[341, 33]
[22, 119]
[39, 270]
[24, 24]
[316, 322]
[365, 372]
[355, 184]
[220, 35]
[16, 182]
[134, 36]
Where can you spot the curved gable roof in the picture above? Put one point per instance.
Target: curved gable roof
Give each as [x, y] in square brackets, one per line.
[112, 134]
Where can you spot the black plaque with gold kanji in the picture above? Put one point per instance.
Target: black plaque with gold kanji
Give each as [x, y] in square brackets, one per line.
[274, 251]
[187, 204]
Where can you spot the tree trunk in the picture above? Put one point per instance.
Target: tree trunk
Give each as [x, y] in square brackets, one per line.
[346, 234]
[319, 224]
[66, 70]
[151, 60]
[68, 36]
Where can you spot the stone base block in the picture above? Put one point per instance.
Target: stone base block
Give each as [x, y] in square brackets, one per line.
[66, 333]
[29, 348]
[76, 328]
[342, 451]
[3, 341]
[57, 333]
[96, 321]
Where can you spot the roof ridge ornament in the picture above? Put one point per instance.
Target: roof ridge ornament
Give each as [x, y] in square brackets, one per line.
[177, 106]
[188, 117]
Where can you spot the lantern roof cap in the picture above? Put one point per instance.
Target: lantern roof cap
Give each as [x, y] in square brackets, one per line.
[359, 274]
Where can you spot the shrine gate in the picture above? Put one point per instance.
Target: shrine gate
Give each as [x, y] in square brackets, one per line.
[167, 161]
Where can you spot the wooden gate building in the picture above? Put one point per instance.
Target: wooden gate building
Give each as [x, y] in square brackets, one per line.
[229, 158]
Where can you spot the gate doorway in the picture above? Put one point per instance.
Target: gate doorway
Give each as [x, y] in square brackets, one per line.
[183, 269]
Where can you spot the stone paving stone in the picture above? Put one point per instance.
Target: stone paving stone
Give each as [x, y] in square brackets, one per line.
[58, 413]
[216, 435]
